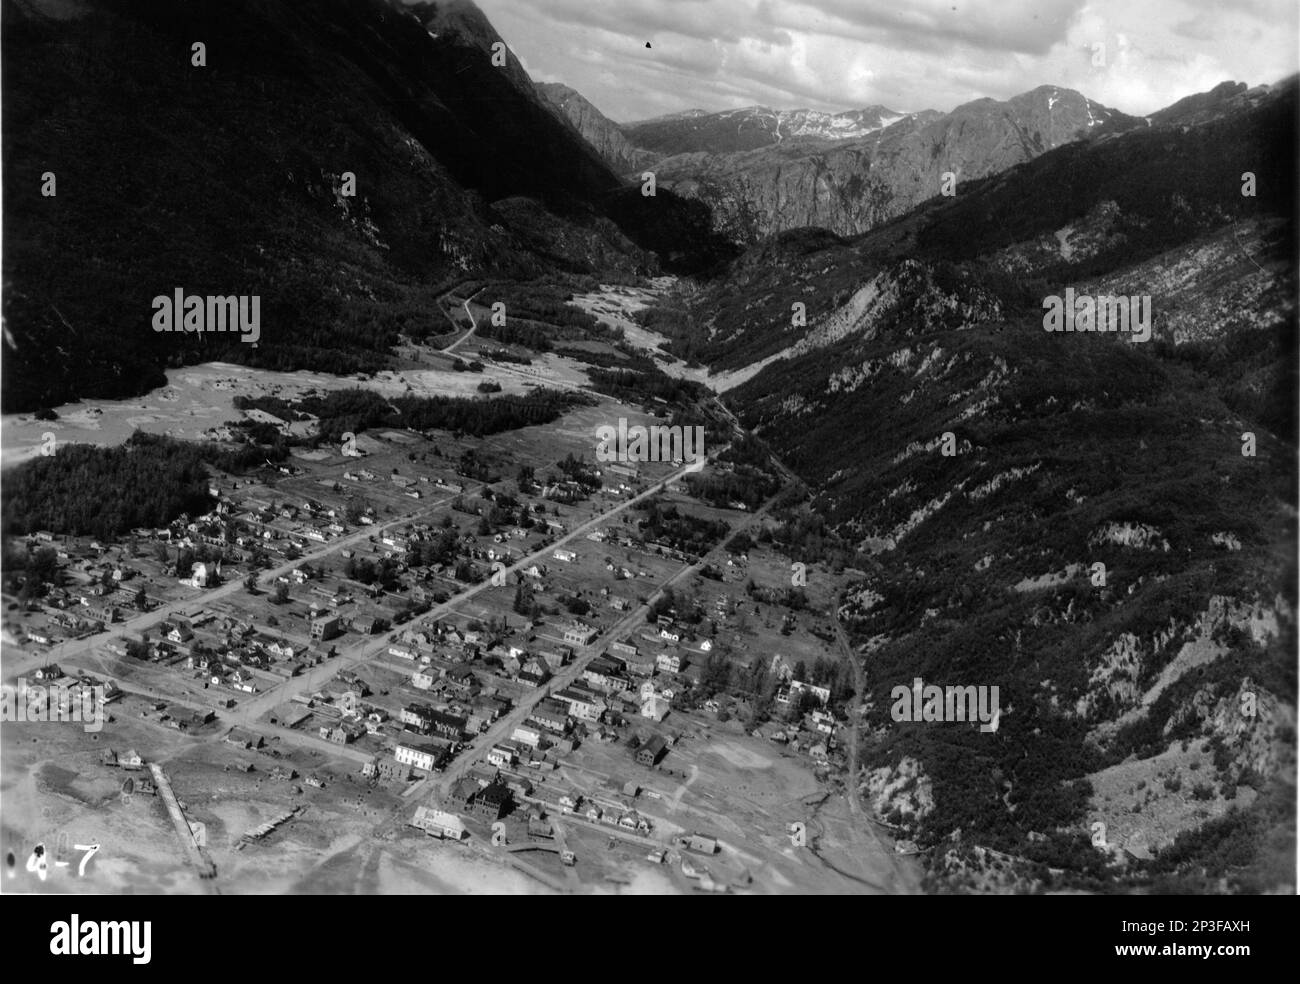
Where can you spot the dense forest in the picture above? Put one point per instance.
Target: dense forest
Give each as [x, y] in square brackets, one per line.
[357, 410]
[84, 490]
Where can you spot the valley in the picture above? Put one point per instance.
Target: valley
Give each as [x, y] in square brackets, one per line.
[996, 403]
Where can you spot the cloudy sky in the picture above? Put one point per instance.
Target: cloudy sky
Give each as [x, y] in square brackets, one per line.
[905, 54]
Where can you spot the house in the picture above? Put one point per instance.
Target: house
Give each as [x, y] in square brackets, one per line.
[48, 672]
[131, 760]
[201, 717]
[501, 756]
[364, 624]
[583, 704]
[570, 801]
[634, 821]
[800, 687]
[568, 556]
[534, 672]
[419, 716]
[448, 725]
[425, 678]
[339, 734]
[489, 708]
[280, 648]
[551, 714]
[670, 662]
[700, 843]
[107, 614]
[200, 576]
[606, 675]
[354, 683]
[651, 751]
[554, 659]
[579, 634]
[527, 736]
[179, 630]
[461, 681]
[437, 823]
[243, 738]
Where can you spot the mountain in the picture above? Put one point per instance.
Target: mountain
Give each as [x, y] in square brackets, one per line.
[1226, 97]
[227, 178]
[602, 133]
[759, 187]
[751, 128]
[975, 469]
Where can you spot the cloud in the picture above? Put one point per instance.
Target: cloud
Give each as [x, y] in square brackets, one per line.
[936, 54]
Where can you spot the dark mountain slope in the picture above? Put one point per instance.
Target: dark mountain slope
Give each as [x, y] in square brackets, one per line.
[1076, 212]
[602, 133]
[1120, 700]
[226, 179]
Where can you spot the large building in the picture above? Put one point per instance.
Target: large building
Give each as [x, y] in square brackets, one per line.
[426, 757]
[437, 823]
[652, 751]
[326, 627]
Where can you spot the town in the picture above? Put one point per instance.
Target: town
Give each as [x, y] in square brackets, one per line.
[581, 674]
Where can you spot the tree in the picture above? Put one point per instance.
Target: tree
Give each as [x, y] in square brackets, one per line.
[250, 583]
[281, 593]
[141, 599]
[523, 600]
[44, 566]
